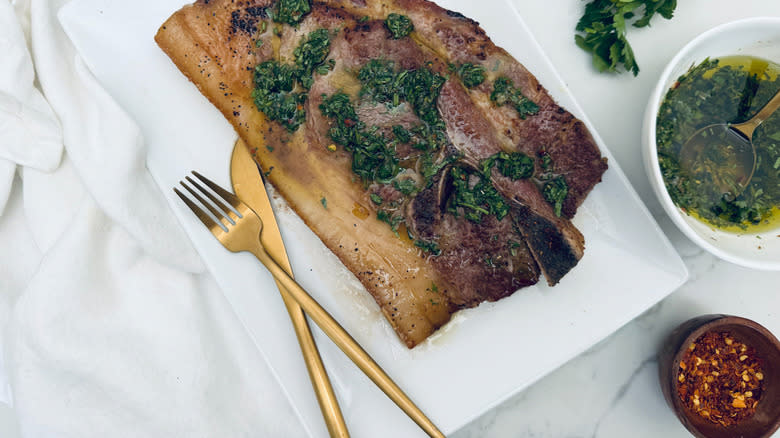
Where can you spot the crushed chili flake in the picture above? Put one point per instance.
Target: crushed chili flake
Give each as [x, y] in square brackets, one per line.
[720, 378]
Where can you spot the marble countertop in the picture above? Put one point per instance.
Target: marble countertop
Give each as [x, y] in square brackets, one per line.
[612, 390]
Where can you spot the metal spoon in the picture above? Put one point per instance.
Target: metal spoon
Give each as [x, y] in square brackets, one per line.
[736, 157]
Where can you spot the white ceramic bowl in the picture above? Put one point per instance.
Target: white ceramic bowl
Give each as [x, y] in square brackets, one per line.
[754, 36]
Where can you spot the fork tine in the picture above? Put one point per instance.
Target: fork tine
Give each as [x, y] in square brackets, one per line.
[207, 221]
[227, 196]
[226, 211]
[218, 214]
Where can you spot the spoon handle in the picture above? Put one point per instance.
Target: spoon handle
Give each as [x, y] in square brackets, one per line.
[748, 127]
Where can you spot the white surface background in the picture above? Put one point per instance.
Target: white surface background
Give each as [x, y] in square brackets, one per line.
[611, 390]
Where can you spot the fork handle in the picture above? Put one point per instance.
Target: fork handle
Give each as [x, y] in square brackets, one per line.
[334, 419]
[347, 344]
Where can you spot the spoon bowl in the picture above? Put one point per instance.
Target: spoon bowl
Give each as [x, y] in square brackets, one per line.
[725, 153]
[721, 156]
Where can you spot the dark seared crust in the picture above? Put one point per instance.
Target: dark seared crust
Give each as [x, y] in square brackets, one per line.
[213, 44]
[552, 249]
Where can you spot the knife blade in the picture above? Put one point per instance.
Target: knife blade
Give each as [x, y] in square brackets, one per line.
[247, 180]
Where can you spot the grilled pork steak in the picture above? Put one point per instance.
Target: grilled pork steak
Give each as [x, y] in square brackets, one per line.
[427, 159]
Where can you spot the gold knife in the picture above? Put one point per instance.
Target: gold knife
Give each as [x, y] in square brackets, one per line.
[247, 183]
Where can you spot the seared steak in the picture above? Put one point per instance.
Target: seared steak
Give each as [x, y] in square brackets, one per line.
[432, 163]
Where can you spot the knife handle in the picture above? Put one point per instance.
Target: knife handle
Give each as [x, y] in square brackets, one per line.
[347, 344]
[329, 405]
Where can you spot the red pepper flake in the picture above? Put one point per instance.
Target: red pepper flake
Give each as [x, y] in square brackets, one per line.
[720, 378]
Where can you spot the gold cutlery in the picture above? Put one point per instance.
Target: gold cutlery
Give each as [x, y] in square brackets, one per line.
[248, 185]
[238, 229]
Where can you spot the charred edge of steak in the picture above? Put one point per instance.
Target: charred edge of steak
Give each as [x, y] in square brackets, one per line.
[553, 252]
[424, 212]
[486, 261]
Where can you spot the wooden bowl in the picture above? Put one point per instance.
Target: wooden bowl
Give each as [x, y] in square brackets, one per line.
[766, 420]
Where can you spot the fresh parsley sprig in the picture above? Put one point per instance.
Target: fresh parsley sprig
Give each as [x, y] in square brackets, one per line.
[602, 30]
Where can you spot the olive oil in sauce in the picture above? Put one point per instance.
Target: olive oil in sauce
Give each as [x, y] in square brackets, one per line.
[725, 90]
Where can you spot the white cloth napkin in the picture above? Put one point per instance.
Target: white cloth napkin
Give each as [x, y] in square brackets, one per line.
[105, 145]
[29, 132]
[108, 326]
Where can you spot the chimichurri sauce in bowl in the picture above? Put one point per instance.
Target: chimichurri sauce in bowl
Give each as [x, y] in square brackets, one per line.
[724, 90]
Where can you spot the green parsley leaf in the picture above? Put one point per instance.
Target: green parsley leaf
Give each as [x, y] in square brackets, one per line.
[601, 30]
[505, 92]
[428, 246]
[291, 11]
[555, 192]
[472, 75]
[399, 25]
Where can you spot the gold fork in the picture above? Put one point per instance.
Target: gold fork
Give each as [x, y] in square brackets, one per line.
[238, 229]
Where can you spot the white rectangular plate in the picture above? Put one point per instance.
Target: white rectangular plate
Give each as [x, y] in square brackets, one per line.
[475, 362]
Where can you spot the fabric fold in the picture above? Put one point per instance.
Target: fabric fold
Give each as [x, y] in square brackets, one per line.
[31, 135]
[104, 144]
[105, 341]
[7, 170]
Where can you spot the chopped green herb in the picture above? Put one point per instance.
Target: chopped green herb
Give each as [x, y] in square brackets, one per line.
[373, 158]
[401, 134]
[555, 192]
[602, 30]
[472, 75]
[270, 148]
[373, 154]
[513, 248]
[434, 288]
[324, 202]
[475, 196]
[505, 92]
[275, 82]
[363, 19]
[259, 43]
[399, 25]
[516, 165]
[311, 54]
[291, 11]
[420, 88]
[429, 168]
[430, 247]
[545, 161]
[273, 94]
[376, 199]
[406, 186]
[393, 220]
